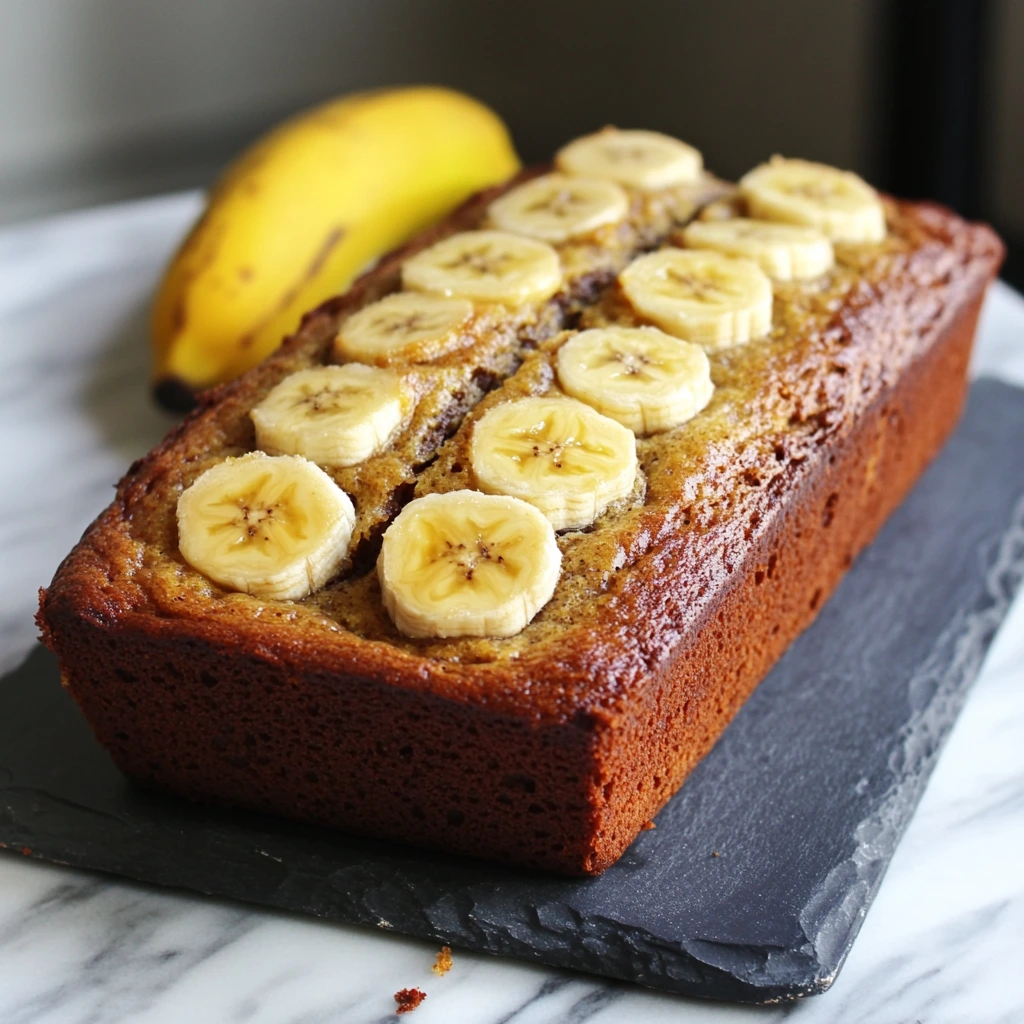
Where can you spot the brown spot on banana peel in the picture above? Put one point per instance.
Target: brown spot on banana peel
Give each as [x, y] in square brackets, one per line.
[177, 395]
[202, 244]
[178, 316]
[331, 240]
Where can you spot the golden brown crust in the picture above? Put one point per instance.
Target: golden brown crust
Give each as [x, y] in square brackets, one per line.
[556, 748]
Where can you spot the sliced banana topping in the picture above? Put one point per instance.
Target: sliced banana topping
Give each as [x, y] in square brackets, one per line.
[331, 415]
[557, 207]
[643, 378]
[839, 203]
[467, 564]
[486, 266]
[404, 327]
[786, 252]
[645, 160]
[556, 453]
[704, 297]
[275, 527]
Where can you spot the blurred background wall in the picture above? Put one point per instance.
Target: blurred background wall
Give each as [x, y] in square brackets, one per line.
[107, 99]
[1007, 157]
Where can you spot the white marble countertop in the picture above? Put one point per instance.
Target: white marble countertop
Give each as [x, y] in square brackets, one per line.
[941, 943]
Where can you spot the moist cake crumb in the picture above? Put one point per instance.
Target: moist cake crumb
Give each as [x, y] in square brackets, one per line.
[408, 999]
[443, 964]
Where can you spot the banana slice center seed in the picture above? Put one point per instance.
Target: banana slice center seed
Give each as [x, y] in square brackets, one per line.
[244, 517]
[565, 203]
[330, 400]
[637, 365]
[397, 323]
[483, 262]
[480, 564]
[626, 153]
[707, 288]
[536, 454]
[822, 191]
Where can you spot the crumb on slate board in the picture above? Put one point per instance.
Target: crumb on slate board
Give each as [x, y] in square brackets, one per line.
[443, 963]
[408, 999]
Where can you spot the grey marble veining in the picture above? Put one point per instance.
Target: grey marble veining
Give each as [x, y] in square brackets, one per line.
[941, 943]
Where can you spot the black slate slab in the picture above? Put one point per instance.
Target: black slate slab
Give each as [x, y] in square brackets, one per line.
[760, 871]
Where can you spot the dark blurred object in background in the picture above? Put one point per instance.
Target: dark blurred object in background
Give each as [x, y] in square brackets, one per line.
[950, 109]
[932, 124]
[106, 99]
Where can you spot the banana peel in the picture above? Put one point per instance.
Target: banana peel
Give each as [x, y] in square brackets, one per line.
[302, 212]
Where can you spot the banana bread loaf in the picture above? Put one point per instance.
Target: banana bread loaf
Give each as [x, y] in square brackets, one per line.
[550, 733]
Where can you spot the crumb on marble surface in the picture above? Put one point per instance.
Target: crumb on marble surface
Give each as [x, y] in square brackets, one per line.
[443, 964]
[408, 999]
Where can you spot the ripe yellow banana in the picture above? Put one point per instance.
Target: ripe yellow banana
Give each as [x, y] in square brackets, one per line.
[303, 211]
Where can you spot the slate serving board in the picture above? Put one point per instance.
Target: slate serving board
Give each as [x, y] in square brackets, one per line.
[759, 873]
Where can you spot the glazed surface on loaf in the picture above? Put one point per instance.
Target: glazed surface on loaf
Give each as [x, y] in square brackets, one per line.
[583, 724]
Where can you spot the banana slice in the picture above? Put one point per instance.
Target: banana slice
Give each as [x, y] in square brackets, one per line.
[486, 266]
[643, 378]
[836, 202]
[275, 527]
[556, 207]
[331, 415]
[704, 297]
[645, 160]
[786, 252]
[467, 564]
[556, 453]
[404, 327]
